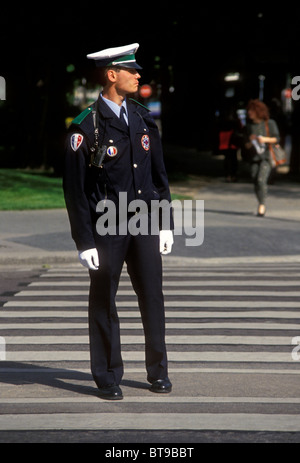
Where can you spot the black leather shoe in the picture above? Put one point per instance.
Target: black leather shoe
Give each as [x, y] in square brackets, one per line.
[110, 392]
[161, 385]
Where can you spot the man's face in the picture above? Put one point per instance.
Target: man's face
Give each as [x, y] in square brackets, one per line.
[126, 80]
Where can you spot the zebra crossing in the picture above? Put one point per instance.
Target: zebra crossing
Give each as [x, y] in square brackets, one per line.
[231, 331]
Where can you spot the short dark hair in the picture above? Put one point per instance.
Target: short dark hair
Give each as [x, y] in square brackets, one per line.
[103, 74]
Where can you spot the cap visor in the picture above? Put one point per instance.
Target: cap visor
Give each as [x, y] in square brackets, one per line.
[129, 66]
[105, 63]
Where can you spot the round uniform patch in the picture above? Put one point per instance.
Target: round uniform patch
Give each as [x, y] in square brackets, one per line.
[76, 141]
[112, 151]
[145, 142]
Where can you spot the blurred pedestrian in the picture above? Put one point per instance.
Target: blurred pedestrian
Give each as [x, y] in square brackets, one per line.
[114, 148]
[257, 142]
[229, 128]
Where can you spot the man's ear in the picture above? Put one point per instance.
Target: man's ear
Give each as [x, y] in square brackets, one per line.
[111, 75]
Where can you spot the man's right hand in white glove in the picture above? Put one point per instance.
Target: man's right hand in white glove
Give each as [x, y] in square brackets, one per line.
[89, 258]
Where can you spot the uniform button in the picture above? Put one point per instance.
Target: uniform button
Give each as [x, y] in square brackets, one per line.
[139, 192]
[135, 166]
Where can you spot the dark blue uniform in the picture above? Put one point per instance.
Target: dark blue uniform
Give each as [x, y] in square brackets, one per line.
[133, 164]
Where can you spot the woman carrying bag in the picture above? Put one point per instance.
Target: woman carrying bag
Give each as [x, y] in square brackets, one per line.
[261, 133]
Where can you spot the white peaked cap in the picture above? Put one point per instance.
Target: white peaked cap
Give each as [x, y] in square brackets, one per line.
[118, 56]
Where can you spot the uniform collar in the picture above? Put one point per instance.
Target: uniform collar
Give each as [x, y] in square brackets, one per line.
[114, 106]
[107, 113]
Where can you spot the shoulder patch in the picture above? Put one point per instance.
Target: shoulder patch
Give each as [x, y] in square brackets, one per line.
[76, 140]
[140, 104]
[82, 116]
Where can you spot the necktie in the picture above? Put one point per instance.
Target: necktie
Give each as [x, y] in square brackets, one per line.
[123, 121]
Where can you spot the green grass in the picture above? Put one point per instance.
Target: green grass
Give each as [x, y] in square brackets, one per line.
[180, 196]
[24, 190]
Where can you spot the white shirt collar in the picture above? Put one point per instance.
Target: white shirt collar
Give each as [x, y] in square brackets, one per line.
[114, 106]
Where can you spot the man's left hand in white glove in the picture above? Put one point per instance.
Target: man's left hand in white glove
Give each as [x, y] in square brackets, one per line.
[166, 241]
[89, 258]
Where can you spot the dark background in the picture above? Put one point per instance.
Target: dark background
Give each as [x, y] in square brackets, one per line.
[185, 45]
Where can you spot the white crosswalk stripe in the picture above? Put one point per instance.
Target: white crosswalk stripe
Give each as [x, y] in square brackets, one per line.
[224, 325]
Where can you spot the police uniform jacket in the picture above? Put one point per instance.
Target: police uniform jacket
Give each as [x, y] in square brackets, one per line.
[133, 163]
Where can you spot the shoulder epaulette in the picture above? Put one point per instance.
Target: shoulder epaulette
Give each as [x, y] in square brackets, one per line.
[137, 102]
[82, 116]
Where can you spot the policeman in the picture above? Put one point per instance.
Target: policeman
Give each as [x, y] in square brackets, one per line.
[114, 148]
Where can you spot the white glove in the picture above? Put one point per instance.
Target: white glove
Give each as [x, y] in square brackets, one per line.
[89, 259]
[165, 241]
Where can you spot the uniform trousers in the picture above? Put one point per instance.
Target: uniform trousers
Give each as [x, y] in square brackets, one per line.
[144, 266]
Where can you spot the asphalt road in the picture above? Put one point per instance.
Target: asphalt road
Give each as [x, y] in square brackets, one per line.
[243, 280]
[231, 228]
[229, 336]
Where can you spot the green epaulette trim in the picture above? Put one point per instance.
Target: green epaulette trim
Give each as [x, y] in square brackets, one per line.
[137, 102]
[82, 116]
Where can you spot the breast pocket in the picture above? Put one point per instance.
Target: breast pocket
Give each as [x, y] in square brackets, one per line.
[114, 146]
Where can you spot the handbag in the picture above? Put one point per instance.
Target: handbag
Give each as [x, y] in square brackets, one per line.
[278, 154]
